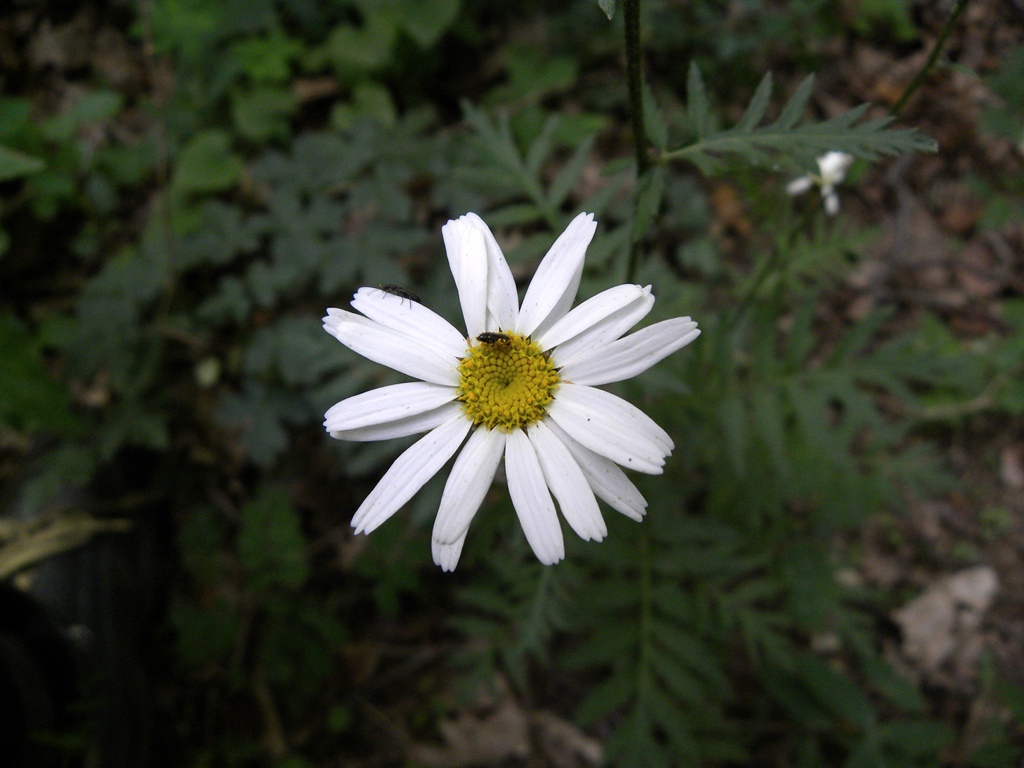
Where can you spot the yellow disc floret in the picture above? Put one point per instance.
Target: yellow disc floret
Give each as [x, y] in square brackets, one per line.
[506, 381]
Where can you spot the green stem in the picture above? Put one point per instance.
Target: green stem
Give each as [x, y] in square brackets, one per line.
[644, 661]
[932, 58]
[634, 79]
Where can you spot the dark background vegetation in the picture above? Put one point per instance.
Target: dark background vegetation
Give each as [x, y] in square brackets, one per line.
[187, 184]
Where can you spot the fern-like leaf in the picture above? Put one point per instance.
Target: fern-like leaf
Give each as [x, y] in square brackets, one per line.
[765, 145]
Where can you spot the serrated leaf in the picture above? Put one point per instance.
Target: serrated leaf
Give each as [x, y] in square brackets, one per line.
[355, 50]
[271, 547]
[541, 147]
[570, 173]
[295, 349]
[698, 109]
[657, 129]
[836, 691]
[206, 164]
[794, 109]
[676, 678]
[764, 145]
[261, 413]
[696, 654]
[614, 693]
[758, 105]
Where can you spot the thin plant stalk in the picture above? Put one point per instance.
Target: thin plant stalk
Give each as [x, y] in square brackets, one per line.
[634, 79]
[919, 78]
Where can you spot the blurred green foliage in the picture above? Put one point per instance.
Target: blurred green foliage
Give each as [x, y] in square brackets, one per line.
[308, 148]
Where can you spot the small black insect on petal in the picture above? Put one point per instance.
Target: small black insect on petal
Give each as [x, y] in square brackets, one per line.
[403, 293]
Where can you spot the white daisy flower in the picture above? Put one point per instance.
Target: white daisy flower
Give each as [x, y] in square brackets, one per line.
[521, 384]
[832, 168]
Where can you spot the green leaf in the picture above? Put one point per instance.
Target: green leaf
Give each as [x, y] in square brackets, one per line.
[918, 738]
[131, 422]
[271, 547]
[533, 74]
[261, 414]
[14, 164]
[204, 636]
[30, 398]
[764, 145]
[836, 691]
[206, 164]
[797, 104]
[267, 59]
[295, 349]
[357, 50]
[657, 129]
[885, 16]
[94, 107]
[369, 100]
[200, 542]
[608, 6]
[609, 696]
[650, 193]
[758, 105]
[698, 109]
[570, 173]
[541, 147]
[813, 592]
[426, 22]
[262, 114]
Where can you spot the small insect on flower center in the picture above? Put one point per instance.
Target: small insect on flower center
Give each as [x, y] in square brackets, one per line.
[506, 381]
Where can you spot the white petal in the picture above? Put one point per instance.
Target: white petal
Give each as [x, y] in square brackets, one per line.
[606, 479]
[386, 404]
[531, 499]
[800, 185]
[611, 427]
[604, 331]
[831, 202]
[487, 290]
[413, 319]
[589, 313]
[470, 478]
[631, 355]
[410, 425]
[467, 257]
[447, 555]
[553, 287]
[410, 471]
[502, 297]
[833, 166]
[568, 484]
[389, 347]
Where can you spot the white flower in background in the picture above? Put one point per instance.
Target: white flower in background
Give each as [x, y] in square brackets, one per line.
[832, 168]
[521, 384]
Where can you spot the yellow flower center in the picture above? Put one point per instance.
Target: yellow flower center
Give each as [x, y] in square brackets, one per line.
[506, 381]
